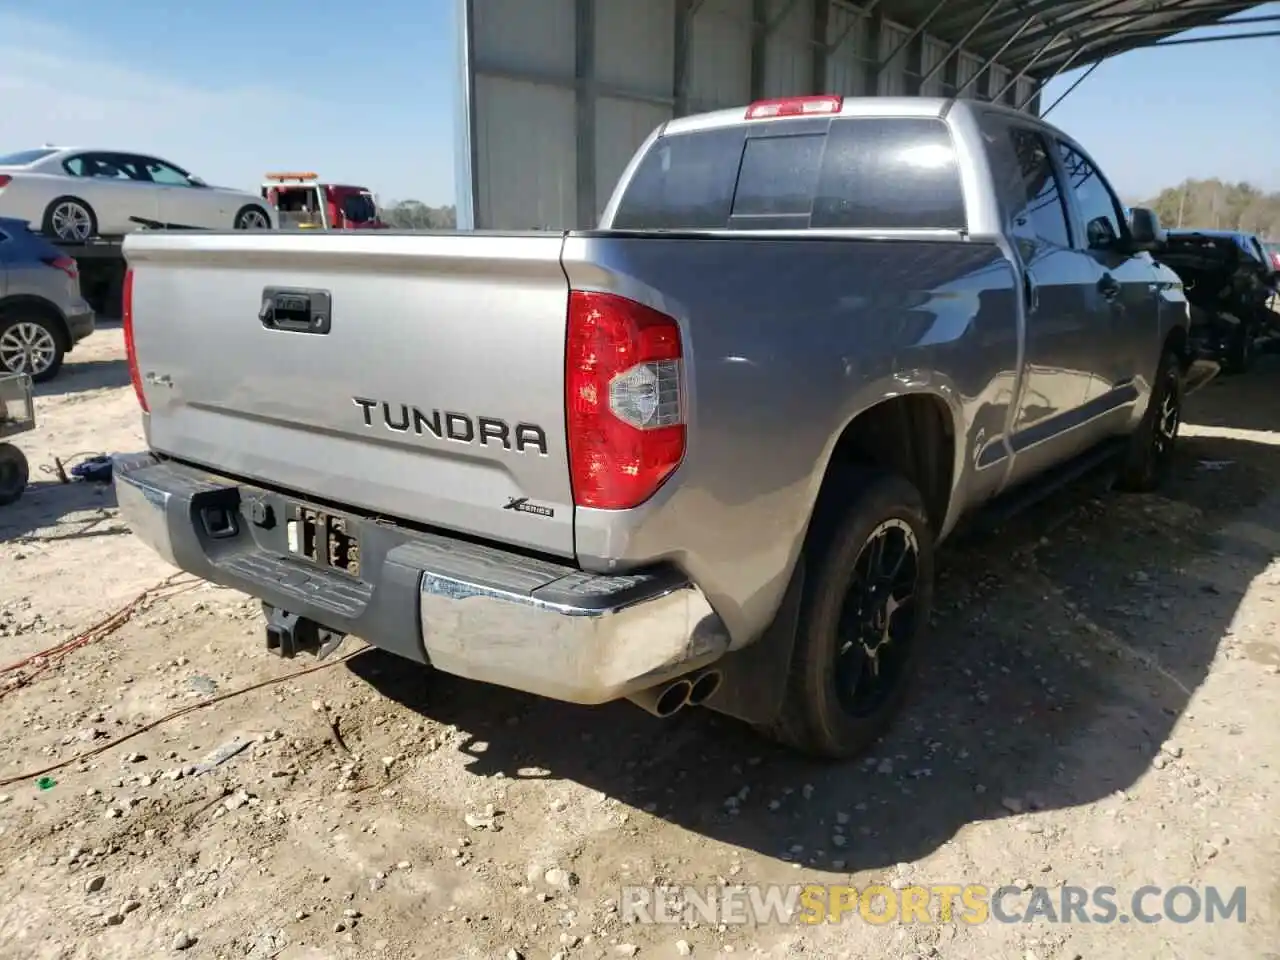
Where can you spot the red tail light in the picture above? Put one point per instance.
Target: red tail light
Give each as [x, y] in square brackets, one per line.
[623, 400]
[126, 309]
[795, 107]
[5, 180]
[66, 264]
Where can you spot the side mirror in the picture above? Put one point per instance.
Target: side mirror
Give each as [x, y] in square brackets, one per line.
[197, 182]
[1145, 231]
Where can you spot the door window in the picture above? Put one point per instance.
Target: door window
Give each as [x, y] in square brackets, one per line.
[98, 166]
[163, 173]
[1039, 206]
[1101, 212]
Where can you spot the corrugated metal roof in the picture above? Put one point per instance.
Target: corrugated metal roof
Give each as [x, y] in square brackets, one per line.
[1042, 37]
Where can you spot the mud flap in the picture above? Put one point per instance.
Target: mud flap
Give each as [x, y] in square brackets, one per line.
[754, 679]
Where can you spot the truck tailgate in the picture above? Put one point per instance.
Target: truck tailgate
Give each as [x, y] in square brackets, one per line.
[428, 386]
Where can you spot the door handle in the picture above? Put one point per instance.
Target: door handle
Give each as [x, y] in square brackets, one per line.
[296, 311]
[1109, 286]
[1031, 291]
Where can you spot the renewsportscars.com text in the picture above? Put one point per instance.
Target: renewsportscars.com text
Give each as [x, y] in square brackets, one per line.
[936, 903]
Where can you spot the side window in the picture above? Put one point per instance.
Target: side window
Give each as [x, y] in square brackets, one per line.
[77, 166]
[163, 173]
[131, 166]
[779, 176]
[1099, 208]
[1036, 204]
[99, 166]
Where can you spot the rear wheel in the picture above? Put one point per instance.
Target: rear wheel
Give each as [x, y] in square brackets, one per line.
[1150, 455]
[70, 218]
[14, 473]
[865, 609]
[31, 343]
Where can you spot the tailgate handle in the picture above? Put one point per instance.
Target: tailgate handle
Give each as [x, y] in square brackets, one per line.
[296, 311]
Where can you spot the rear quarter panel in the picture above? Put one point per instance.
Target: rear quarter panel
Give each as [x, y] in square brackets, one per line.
[26, 197]
[785, 342]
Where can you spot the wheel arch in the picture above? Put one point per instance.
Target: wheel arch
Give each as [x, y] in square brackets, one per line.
[247, 206]
[26, 303]
[915, 434]
[47, 215]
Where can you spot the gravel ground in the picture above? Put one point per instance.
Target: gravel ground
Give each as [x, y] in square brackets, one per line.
[1101, 707]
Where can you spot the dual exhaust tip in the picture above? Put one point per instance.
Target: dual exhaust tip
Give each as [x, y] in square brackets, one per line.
[666, 699]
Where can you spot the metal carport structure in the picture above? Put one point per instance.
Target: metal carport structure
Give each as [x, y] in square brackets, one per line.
[555, 95]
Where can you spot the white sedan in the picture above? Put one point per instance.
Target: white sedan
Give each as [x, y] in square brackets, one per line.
[77, 193]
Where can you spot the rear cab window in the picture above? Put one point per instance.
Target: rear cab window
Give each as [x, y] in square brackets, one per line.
[873, 173]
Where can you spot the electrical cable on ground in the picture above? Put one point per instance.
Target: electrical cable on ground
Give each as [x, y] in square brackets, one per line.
[169, 587]
[190, 708]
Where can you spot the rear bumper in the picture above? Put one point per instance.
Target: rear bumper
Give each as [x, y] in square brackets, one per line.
[467, 609]
[80, 323]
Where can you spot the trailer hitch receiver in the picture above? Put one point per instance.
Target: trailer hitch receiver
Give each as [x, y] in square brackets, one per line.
[289, 634]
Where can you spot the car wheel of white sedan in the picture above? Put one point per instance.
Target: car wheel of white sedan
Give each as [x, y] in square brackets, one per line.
[252, 218]
[69, 218]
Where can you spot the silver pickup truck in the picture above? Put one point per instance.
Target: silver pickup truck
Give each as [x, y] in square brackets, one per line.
[702, 454]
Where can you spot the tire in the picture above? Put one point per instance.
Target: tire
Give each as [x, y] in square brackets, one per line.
[70, 218]
[823, 714]
[14, 473]
[1150, 455]
[1240, 352]
[31, 343]
[248, 214]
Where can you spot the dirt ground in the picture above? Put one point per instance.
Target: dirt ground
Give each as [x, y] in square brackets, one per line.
[1101, 707]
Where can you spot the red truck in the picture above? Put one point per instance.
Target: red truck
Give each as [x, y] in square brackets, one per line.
[302, 201]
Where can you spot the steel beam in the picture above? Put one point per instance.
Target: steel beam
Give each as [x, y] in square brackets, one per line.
[685, 11]
[1069, 21]
[1022, 73]
[871, 76]
[759, 46]
[1115, 23]
[568, 83]
[821, 24]
[1032, 62]
[959, 44]
[585, 100]
[881, 64]
[467, 171]
[771, 24]
[1019, 13]
[1112, 42]
[864, 14]
[1156, 31]
[1079, 80]
[1257, 35]
[987, 64]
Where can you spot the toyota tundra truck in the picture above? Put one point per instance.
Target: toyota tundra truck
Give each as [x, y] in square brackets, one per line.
[700, 455]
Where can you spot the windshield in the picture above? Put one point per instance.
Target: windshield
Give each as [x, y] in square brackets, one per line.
[24, 157]
[359, 208]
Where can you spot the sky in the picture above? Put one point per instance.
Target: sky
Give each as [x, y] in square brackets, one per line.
[364, 93]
